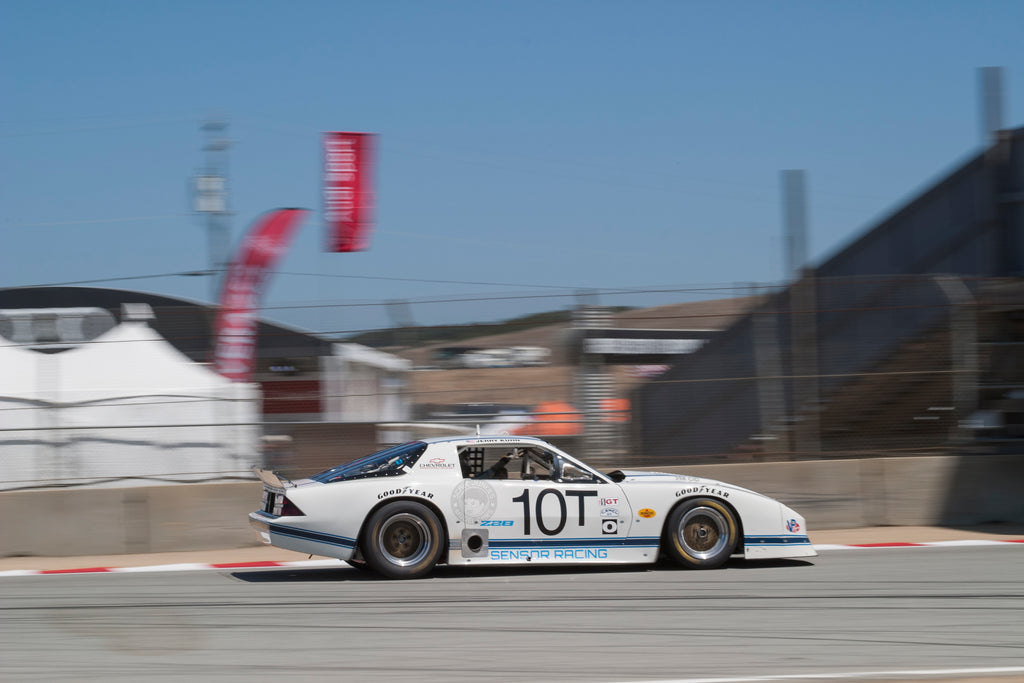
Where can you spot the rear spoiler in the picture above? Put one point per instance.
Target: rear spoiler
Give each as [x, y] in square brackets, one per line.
[273, 479]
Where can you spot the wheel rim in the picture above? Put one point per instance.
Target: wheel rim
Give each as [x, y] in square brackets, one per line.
[404, 540]
[704, 532]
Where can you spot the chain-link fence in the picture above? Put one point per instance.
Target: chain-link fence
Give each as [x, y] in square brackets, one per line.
[847, 367]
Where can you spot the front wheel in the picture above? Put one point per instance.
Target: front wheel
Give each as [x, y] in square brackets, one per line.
[701, 533]
[402, 540]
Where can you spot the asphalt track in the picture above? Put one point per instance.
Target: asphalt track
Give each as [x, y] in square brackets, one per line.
[878, 614]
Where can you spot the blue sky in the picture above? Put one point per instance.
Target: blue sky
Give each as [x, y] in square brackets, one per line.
[527, 149]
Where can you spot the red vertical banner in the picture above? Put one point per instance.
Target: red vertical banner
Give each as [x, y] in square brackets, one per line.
[348, 190]
[235, 328]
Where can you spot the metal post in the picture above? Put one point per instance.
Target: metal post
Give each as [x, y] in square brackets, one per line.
[794, 221]
[770, 394]
[963, 347]
[803, 309]
[990, 100]
[593, 386]
[803, 333]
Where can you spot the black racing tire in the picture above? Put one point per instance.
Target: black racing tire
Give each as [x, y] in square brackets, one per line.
[701, 533]
[403, 540]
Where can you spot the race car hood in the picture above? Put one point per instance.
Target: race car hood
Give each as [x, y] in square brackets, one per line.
[640, 476]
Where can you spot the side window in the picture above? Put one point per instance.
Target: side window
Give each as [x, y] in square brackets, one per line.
[537, 465]
[501, 462]
[526, 463]
[472, 462]
[572, 473]
[508, 462]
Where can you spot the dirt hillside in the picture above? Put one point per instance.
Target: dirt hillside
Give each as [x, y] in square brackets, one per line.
[532, 385]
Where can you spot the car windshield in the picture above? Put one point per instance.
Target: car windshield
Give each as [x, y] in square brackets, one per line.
[386, 463]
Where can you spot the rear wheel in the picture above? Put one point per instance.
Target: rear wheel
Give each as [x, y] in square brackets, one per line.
[402, 540]
[701, 533]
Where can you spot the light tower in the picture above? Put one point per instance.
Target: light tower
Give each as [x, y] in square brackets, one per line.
[210, 197]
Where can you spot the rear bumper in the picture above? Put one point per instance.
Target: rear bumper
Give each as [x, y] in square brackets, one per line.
[306, 541]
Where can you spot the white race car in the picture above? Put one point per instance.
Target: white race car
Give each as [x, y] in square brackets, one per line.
[511, 501]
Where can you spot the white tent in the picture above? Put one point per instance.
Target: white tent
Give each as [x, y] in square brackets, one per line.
[123, 409]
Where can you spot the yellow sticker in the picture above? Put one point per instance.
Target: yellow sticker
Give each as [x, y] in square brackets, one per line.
[647, 513]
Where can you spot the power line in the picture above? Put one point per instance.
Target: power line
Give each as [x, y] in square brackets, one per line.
[570, 289]
[430, 281]
[63, 131]
[193, 273]
[92, 221]
[509, 297]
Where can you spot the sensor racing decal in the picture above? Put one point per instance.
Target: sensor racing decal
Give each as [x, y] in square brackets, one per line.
[563, 549]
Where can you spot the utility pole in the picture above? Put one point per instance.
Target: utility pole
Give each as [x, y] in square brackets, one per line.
[794, 219]
[403, 325]
[210, 194]
[803, 316]
[990, 102]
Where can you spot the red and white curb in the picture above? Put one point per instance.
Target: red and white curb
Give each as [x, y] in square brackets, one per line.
[305, 564]
[901, 674]
[928, 544]
[181, 567]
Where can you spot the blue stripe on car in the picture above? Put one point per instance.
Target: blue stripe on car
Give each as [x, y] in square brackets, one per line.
[317, 536]
[776, 540]
[639, 542]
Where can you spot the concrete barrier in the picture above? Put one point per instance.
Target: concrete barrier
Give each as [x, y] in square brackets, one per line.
[944, 490]
[841, 494]
[114, 521]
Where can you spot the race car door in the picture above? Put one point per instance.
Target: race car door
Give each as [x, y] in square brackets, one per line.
[532, 505]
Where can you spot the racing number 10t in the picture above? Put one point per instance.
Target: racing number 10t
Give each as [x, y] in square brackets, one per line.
[524, 498]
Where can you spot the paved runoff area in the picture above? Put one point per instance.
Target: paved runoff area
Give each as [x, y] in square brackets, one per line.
[265, 556]
[858, 613]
